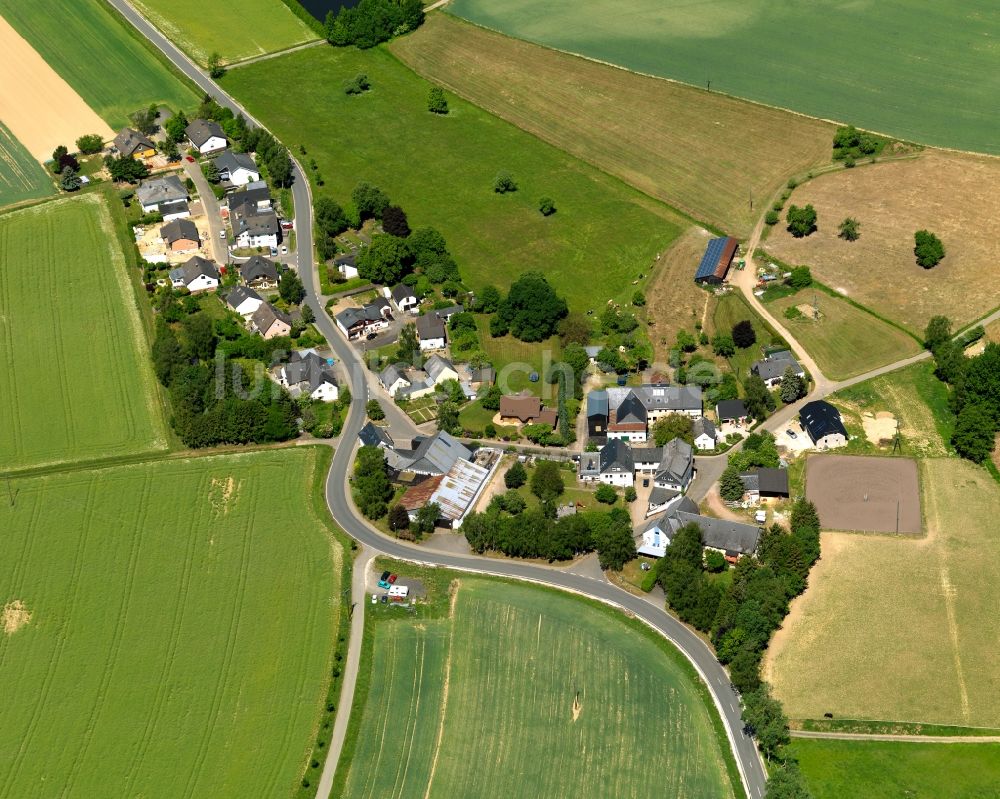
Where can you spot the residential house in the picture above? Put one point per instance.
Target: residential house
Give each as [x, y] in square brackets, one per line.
[660, 499]
[731, 411]
[238, 169]
[259, 273]
[612, 465]
[430, 332]
[180, 235]
[164, 195]
[654, 535]
[647, 459]
[773, 368]
[660, 399]
[732, 539]
[628, 420]
[358, 322]
[244, 300]
[716, 261]
[268, 322]
[206, 136]
[131, 143]
[597, 416]
[371, 435]
[823, 424]
[765, 483]
[676, 467]
[346, 265]
[526, 409]
[308, 374]
[483, 376]
[446, 313]
[403, 298]
[434, 454]
[393, 379]
[198, 274]
[440, 369]
[255, 224]
[705, 434]
[454, 492]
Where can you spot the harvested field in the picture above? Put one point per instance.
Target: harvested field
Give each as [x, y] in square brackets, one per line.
[77, 382]
[673, 300]
[21, 176]
[164, 631]
[860, 494]
[902, 629]
[603, 235]
[68, 43]
[201, 27]
[874, 64]
[845, 341]
[522, 692]
[892, 200]
[703, 153]
[41, 109]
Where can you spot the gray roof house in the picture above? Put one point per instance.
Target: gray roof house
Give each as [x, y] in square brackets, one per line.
[433, 455]
[676, 468]
[202, 131]
[430, 331]
[660, 399]
[259, 272]
[731, 410]
[705, 434]
[243, 299]
[156, 192]
[731, 538]
[372, 435]
[128, 142]
[823, 424]
[180, 230]
[232, 164]
[308, 373]
[773, 369]
[438, 368]
[197, 274]
[766, 482]
[403, 297]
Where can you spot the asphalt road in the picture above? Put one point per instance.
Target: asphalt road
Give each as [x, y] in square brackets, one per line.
[341, 507]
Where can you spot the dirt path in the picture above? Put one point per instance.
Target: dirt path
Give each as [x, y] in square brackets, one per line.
[718, 507]
[916, 739]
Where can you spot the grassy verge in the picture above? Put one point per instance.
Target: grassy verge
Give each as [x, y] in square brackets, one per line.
[890, 728]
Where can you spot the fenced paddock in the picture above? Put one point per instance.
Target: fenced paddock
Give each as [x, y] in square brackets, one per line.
[877, 495]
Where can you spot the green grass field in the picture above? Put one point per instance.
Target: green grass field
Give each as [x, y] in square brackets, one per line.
[845, 341]
[21, 176]
[441, 171]
[127, 75]
[730, 309]
[235, 32]
[482, 704]
[912, 69]
[182, 622]
[881, 770]
[77, 381]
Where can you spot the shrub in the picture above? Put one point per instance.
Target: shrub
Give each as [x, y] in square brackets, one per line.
[801, 221]
[929, 249]
[630, 494]
[850, 229]
[772, 218]
[436, 102]
[800, 277]
[516, 476]
[715, 561]
[358, 84]
[791, 312]
[606, 494]
[648, 581]
[90, 143]
[547, 206]
[374, 410]
[504, 183]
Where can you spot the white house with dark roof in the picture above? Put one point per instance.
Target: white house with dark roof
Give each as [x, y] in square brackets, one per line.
[773, 368]
[164, 195]
[732, 539]
[613, 465]
[244, 300]
[660, 399]
[628, 420]
[705, 434]
[238, 169]
[259, 273]
[403, 297]
[308, 374]
[268, 322]
[440, 369]
[430, 332]
[823, 424]
[676, 468]
[198, 274]
[206, 136]
[357, 322]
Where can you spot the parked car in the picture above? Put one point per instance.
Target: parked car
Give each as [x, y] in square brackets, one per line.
[190, 158]
[790, 433]
[385, 599]
[383, 581]
[371, 336]
[222, 234]
[274, 250]
[284, 249]
[393, 578]
[374, 599]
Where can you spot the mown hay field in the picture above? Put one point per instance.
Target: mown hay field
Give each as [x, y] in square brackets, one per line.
[899, 769]
[441, 170]
[940, 192]
[126, 76]
[174, 643]
[234, 31]
[898, 629]
[844, 340]
[914, 69]
[77, 382]
[21, 176]
[704, 153]
[522, 692]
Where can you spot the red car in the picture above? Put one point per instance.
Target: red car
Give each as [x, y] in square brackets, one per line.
[393, 578]
[190, 158]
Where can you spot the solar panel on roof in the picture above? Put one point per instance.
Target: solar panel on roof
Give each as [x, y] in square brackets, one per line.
[711, 259]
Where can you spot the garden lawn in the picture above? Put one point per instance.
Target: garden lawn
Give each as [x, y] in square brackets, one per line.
[898, 770]
[730, 309]
[913, 68]
[699, 151]
[234, 31]
[441, 170]
[182, 611]
[515, 360]
[127, 75]
[77, 382]
[902, 628]
[525, 692]
[21, 176]
[845, 341]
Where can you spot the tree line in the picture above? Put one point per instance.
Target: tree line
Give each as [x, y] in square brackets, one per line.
[371, 22]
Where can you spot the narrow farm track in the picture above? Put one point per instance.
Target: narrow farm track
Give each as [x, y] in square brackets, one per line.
[917, 739]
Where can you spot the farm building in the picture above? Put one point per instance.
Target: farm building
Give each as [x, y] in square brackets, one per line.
[432, 455]
[597, 416]
[628, 420]
[765, 483]
[612, 465]
[823, 424]
[732, 539]
[715, 262]
[455, 492]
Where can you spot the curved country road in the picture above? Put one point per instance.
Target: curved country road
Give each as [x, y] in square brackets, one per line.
[751, 767]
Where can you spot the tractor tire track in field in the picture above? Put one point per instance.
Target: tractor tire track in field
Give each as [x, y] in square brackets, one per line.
[111, 661]
[59, 339]
[20, 563]
[446, 687]
[42, 699]
[222, 680]
[162, 682]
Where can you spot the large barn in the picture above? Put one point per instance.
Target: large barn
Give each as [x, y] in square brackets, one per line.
[715, 262]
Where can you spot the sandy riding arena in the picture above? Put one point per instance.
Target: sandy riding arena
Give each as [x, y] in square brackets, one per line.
[38, 106]
[880, 495]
